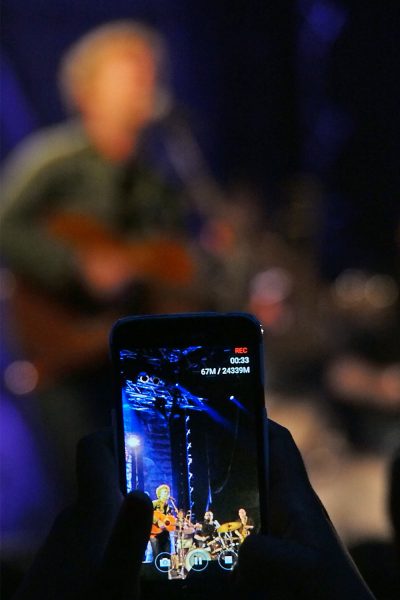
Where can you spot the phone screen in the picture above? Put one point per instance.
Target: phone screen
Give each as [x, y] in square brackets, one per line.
[190, 443]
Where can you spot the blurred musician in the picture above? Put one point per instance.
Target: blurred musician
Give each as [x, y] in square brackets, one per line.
[80, 199]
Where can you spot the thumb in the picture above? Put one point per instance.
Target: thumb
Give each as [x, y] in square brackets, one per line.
[275, 566]
[295, 509]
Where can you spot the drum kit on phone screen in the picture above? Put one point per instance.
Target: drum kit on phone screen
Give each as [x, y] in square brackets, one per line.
[194, 545]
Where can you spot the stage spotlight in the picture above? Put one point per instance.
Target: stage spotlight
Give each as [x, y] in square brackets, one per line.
[133, 441]
[237, 403]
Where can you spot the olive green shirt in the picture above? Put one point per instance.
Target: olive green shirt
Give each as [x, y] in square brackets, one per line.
[58, 171]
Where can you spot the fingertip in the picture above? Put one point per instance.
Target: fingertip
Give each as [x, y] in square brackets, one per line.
[138, 501]
[264, 562]
[253, 547]
[138, 497]
[137, 508]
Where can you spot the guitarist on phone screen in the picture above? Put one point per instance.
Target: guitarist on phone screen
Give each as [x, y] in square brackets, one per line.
[163, 521]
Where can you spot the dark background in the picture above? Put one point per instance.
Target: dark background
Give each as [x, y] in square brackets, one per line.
[276, 90]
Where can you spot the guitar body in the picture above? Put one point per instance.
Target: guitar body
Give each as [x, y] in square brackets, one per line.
[157, 259]
[60, 337]
[169, 522]
[56, 337]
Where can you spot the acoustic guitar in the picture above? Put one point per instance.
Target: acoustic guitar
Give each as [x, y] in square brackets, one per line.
[60, 336]
[169, 522]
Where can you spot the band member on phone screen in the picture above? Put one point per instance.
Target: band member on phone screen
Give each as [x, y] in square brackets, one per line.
[247, 525]
[163, 521]
[206, 529]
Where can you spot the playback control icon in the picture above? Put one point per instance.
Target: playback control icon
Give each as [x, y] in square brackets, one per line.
[197, 560]
[227, 560]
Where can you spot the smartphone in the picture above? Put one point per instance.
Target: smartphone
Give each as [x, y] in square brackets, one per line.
[191, 432]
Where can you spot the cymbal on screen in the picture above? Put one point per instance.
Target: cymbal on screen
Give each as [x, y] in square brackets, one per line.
[231, 526]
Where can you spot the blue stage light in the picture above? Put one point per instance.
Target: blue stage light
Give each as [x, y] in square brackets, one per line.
[133, 441]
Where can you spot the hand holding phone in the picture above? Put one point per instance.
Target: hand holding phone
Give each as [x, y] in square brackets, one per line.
[93, 553]
[302, 556]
